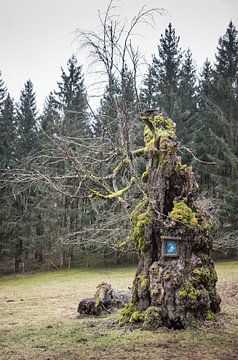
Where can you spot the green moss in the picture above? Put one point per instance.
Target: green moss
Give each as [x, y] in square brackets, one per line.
[152, 318]
[130, 315]
[98, 302]
[154, 292]
[151, 147]
[197, 272]
[148, 135]
[163, 164]
[207, 225]
[157, 126]
[139, 220]
[144, 281]
[112, 195]
[190, 292]
[145, 175]
[180, 166]
[182, 212]
[165, 132]
[166, 276]
[139, 207]
[137, 317]
[126, 313]
[157, 120]
[206, 276]
[209, 316]
[121, 166]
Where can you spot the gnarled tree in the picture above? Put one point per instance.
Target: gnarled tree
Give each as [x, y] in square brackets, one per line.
[175, 280]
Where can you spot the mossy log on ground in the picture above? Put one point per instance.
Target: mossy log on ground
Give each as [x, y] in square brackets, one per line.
[175, 282]
[104, 299]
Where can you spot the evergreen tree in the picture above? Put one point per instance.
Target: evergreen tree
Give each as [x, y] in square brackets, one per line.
[186, 112]
[72, 100]
[3, 92]
[26, 120]
[66, 113]
[166, 69]
[227, 55]
[7, 161]
[201, 135]
[7, 134]
[50, 119]
[24, 203]
[216, 135]
[148, 91]
[107, 115]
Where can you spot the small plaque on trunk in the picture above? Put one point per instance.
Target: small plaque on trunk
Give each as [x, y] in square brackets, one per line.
[170, 246]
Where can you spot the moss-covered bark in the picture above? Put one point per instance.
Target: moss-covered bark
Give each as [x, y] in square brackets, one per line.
[170, 291]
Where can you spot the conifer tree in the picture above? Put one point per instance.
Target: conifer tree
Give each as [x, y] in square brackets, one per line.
[26, 120]
[7, 134]
[72, 100]
[185, 115]
[166, 68]
[26, 144]
[3, 92]
[216, 131]
[7, 161]
[106, 112]
[148, 91]
[227, 55]
[50, 118]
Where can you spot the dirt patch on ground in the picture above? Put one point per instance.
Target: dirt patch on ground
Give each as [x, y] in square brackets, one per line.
[228, 292]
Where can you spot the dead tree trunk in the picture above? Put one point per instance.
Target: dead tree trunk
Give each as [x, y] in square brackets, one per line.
[175, 281]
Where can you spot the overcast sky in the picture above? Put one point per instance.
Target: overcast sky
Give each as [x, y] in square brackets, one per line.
[36, 36]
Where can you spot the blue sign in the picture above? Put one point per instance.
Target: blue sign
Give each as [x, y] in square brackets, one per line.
[170, 247]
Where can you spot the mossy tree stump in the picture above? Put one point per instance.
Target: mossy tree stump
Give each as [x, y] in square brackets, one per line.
[175, 281]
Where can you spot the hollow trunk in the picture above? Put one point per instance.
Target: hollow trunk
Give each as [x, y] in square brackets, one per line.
[175, 281]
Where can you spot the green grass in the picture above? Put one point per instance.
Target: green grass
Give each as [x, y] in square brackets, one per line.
[38, 320]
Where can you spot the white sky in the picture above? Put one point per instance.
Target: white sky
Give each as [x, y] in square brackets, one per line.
[36, 36]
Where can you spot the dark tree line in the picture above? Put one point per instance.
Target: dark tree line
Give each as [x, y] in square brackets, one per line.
[35, 219]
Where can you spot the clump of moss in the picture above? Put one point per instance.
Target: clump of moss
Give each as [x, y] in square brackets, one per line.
[156, 127]
[148, 135]
[151, 147]
[206, 276]
[98, 303]
[207, 225]
[209, 316]
[144, 281]
[182, 212]
[152, 318]
[166, 276]
[145, 175]
[126, 314]
[139, 220]
[154, 292]
[190, 292]
[137, 317]
[180, 166]
[130, 315]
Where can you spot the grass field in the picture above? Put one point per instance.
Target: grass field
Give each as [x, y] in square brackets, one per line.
[38, 320]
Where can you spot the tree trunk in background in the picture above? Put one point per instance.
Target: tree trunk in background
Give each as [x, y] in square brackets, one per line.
[175, 281]
[18, 255]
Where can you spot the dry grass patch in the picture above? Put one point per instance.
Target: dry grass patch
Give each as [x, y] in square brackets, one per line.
[38, 320]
